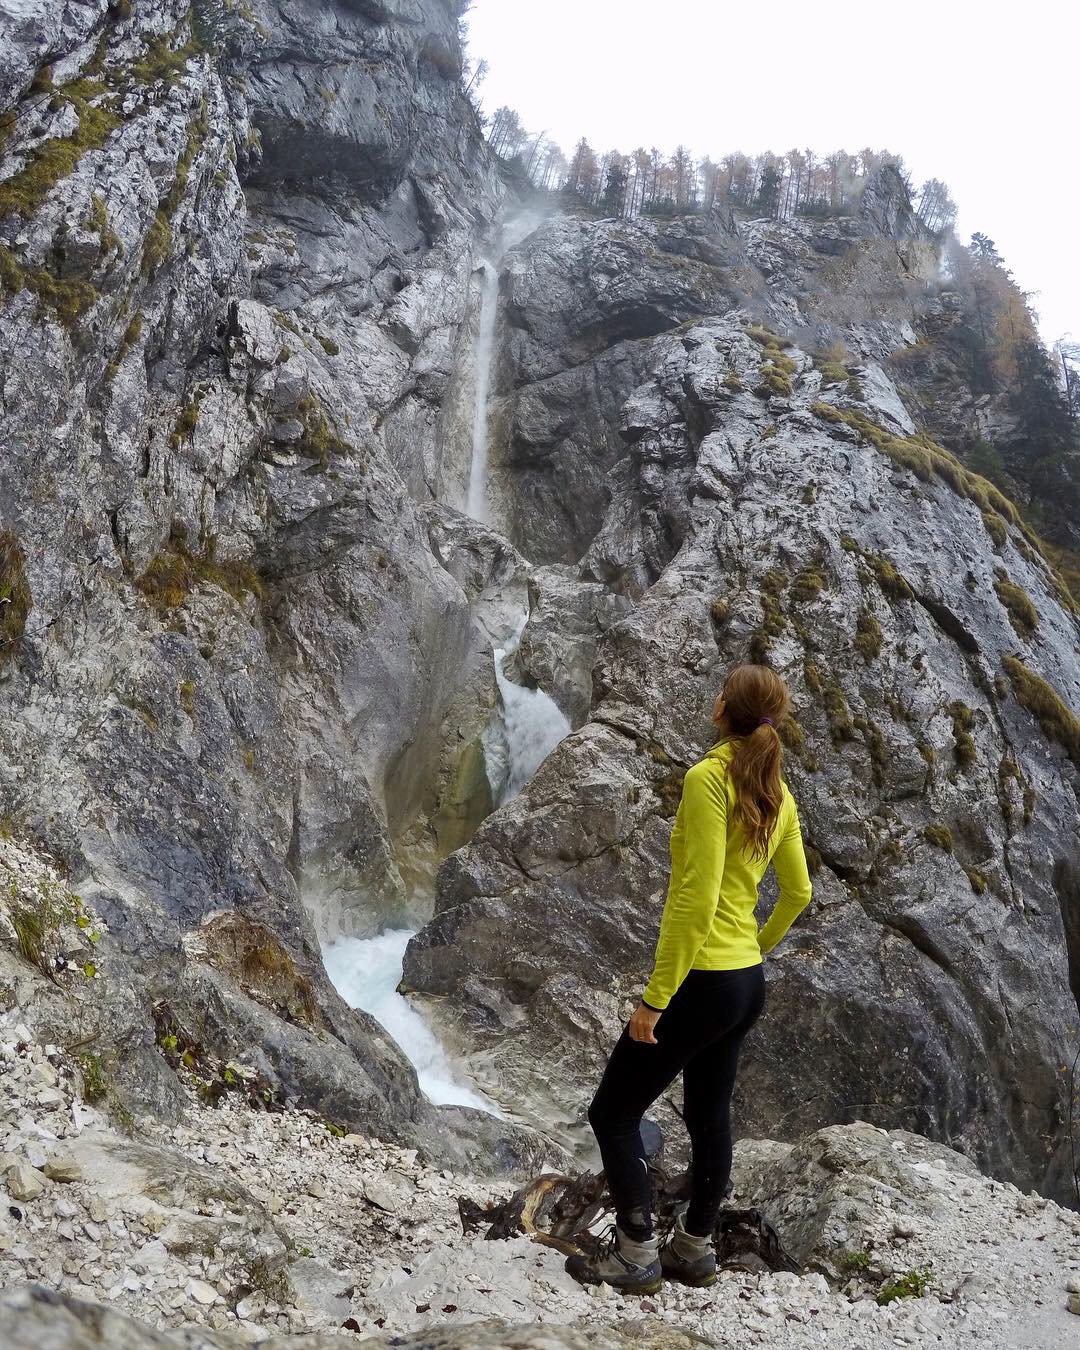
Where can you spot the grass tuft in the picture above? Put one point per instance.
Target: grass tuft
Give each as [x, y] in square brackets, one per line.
[963, 720]
[1023, 615]
[927, 460]
[912, 1284]
[158, 244]
[56, 159]
[773, 584]
[16, 601]
[95, 1078]
[940, 836]
[868, 636]
[808, 584]
[175, 572]
[68, 299]
[1056, 718]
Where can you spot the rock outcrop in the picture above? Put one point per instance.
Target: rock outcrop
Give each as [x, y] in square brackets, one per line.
[764, 503]
[236, 247]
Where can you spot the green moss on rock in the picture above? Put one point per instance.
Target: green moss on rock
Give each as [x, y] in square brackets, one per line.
[996, 528]
[868, 636]
[320, 441]
[775, 382]
[773, 584]
[940, 836]
[892, 582]
[176, 571]
[963, 721]
[808, 584]
[186, 422]
[56, 158]
[99, 222]
[68, 299]
[157, 245]
[841, 724]
[163, 60]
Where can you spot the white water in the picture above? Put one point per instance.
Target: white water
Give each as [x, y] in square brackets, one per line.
[532, 726]
[366, 972]
[511, 234]
[476, 504]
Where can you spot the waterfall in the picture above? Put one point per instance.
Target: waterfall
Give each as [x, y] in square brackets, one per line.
[366, 973]
[531, 727]
[511, 234]
[476, 502]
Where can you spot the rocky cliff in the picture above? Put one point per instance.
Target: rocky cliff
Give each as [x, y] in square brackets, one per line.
[236, 252]
[755, 500]
[246, 629]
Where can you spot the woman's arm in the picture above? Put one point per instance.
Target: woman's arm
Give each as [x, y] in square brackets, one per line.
[690, 907]
[789, 863]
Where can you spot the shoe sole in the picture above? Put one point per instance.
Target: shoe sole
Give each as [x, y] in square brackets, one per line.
[653, 1287]
[703, 1282]
[650, 1287]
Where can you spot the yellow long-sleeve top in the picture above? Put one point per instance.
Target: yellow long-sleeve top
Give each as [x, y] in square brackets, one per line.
[708, 921]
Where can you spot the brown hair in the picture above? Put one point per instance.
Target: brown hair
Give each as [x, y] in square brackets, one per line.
[756, 700]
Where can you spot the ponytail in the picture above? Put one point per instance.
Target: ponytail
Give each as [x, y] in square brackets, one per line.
[756, 770]
[755, 700]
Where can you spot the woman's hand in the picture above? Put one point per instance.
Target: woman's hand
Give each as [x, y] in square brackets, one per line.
[643, 1023]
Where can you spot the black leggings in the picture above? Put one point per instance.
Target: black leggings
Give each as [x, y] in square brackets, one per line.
[699, 1033]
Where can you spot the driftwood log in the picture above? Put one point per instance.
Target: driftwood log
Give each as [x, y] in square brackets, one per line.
[568, 1213]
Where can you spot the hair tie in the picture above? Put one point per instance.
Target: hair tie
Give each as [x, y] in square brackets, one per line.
[765, 721]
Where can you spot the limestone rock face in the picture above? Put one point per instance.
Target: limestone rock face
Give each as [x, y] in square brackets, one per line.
[760, 508]
[229, 333]
[246, 676]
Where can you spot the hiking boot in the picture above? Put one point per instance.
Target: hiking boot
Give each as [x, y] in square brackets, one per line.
[629, 1266]
[690, 1260]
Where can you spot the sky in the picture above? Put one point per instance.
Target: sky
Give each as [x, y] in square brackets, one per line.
[983, 96]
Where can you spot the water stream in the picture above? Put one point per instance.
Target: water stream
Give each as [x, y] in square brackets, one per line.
[476, 504]
[531, 726]
[513, 231]
[366, 973]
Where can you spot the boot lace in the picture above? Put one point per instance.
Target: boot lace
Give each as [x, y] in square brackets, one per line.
[607, 1244]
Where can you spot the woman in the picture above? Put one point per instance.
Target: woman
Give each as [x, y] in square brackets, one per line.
[707, 987]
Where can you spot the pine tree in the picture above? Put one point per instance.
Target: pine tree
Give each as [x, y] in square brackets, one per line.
[709, 173]
[1037, 400]
[641, 180]
[506, 133]
[936, 208]
[615, 180]
[583, 172]
[682, 171]
[768, 193]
